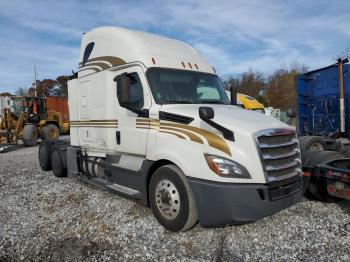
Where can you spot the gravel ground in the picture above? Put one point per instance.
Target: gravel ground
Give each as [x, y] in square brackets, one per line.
[44, 218]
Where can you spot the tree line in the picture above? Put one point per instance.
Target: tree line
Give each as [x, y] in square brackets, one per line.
[276, 89]
[46, 87]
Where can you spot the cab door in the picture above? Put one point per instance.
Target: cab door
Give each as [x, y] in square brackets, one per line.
[131, 138]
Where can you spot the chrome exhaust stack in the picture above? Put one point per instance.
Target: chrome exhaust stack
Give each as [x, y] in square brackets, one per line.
[341, 95]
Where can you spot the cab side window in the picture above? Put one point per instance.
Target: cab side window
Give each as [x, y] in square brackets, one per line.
[136, 91]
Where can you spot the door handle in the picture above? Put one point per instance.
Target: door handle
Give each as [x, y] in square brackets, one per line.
[117, 136]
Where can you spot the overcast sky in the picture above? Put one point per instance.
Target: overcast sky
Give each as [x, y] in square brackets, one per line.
[233, 35]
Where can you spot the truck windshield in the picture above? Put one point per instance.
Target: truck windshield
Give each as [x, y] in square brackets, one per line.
[171, 86]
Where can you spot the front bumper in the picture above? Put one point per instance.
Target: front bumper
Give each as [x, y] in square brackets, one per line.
[221, 204]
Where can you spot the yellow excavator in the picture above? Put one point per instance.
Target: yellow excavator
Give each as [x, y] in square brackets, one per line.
[28, 119]
[248, 102]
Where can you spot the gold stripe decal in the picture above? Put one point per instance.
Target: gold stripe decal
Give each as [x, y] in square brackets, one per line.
[101, 63]
[185, 130]
[172, 133]
[91, 68]
[213, 139]
[95, 123]
[192, 136]
[97, 126]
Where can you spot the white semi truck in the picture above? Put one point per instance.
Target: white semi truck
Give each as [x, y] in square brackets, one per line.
[150, 120]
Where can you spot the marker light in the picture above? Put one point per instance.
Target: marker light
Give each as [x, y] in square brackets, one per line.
[346, 193]
[305, 173]
[226, 168]
[330, 189]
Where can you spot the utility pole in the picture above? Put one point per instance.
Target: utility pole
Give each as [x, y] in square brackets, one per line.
[35, 91]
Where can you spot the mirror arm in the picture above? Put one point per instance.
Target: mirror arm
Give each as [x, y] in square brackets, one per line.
[228, 134]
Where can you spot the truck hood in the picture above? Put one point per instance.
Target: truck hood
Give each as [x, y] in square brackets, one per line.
[231, 117]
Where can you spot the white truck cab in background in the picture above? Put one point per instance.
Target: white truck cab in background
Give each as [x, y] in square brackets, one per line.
[150, 120]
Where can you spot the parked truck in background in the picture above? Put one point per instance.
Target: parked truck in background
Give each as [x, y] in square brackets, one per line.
[324, 129]
[150, 120]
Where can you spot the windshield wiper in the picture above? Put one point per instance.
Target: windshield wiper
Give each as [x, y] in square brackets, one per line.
[177, 102]
[212, 102]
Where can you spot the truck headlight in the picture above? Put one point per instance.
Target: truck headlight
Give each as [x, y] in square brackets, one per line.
[225, 167]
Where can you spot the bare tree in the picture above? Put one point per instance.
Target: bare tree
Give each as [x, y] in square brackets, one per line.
[249, 83]
[21, 91]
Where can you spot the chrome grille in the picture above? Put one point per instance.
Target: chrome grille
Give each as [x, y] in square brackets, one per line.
[279, 153]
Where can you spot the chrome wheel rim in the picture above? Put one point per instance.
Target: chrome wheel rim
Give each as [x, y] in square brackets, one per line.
[168, 199]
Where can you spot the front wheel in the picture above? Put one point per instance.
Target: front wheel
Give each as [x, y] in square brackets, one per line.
[171, 199]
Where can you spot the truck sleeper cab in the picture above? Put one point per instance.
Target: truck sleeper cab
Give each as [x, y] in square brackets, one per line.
[150, 120]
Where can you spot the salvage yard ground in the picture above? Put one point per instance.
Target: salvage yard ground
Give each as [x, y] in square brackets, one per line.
[44, 218]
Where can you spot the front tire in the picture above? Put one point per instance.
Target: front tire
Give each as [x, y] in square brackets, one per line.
[172, 200]
[30, 135]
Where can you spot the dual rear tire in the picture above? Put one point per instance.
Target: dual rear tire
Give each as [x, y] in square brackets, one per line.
[52, 158]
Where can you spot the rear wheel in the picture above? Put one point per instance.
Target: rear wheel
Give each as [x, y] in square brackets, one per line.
[50, 132]
[45, 155]
[30, 135]
[171, 199]
[312, 143]
[58, 166]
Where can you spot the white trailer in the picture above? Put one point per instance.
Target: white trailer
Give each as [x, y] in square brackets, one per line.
[150, 120]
